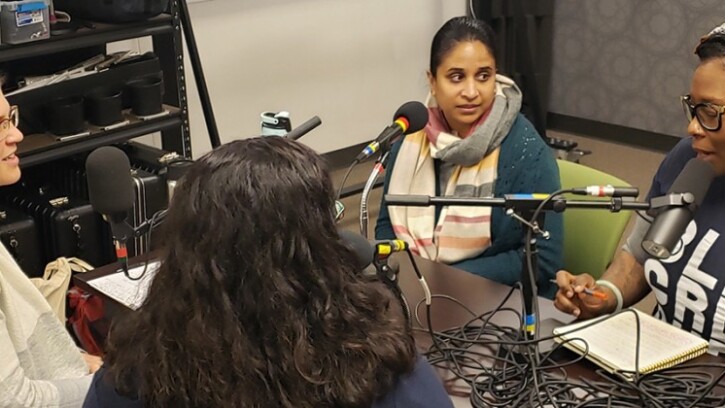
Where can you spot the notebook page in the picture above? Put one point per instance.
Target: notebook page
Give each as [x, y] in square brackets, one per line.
[613, 341]
[130, 293]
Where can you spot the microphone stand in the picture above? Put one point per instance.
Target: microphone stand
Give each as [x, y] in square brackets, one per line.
[522, 207]
[372, 179]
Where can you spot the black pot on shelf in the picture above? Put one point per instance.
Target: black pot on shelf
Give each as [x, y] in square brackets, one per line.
[104, 106]
[146, 96]
[66, 115]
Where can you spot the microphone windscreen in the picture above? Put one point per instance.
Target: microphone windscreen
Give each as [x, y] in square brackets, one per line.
[416, 113]
[110, 188]
[361, 247]
[695, 178]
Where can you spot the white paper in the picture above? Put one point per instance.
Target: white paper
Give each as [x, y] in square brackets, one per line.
[130, 293]
[612, 342]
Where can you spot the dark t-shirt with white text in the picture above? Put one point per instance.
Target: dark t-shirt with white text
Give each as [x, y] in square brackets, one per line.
[690, 284]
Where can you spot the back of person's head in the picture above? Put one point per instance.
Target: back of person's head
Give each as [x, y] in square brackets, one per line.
[712, 45]
[456, 30]
[257, 302]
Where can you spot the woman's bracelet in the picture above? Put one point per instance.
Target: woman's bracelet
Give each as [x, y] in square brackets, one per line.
[615, 290]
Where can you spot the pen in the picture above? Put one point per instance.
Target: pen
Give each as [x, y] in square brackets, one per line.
[597, 294]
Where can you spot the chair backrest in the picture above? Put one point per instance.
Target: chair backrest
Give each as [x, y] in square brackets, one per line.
[590, 236]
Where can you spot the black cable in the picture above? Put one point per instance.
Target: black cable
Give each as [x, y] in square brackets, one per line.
[489, 358]
[645, 217]
[344, 179]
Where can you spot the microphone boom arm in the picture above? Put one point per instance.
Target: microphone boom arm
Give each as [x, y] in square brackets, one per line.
[515, 201]
[530, 210]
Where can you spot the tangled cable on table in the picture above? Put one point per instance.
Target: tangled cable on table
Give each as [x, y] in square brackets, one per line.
[504, 369]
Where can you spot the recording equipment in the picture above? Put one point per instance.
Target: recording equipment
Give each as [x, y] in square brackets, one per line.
[373, 252]
[364, 253]
[409, 118]
[526, 209]
[383, 249]
[606, 191]
[111, 193]
[150, 196]
[20, 234]
[304, 128]
[110, 188]
[675, 210]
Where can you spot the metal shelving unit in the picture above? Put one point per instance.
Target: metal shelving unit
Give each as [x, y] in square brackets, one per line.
[165, 31]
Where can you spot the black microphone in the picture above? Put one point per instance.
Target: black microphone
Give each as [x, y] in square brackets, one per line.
[684, 196]
[409, 118]
[110, 191]
[364, 252]
[606, 191]
[373, 252]
[304, 128]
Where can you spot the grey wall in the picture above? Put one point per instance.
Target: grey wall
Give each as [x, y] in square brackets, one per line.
[626, 62]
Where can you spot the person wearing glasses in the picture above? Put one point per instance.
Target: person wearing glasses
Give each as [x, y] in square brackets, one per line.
[40, 365]
[690, 285]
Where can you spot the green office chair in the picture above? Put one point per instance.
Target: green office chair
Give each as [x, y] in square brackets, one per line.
[591, 237]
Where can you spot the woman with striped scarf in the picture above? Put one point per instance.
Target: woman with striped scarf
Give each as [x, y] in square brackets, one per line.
[476, 144]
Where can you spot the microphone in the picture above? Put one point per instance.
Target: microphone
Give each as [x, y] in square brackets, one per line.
[110, 191]
[383, 249]
[373, 252]
[304, 128]
[682, 199]
[409, 118]
[364, 253]
[606, 191]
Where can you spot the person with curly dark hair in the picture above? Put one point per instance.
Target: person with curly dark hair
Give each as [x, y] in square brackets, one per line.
[258, 302]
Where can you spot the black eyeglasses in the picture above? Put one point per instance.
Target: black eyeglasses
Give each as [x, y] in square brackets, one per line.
[13, 120]
[708, 115]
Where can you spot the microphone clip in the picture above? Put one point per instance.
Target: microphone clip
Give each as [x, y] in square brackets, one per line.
[388, 271]
[658, 204]
[123, 231]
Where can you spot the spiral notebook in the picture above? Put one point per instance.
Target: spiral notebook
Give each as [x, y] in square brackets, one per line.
[612, 342]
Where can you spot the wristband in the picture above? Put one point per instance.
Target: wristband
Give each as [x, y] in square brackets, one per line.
[615, 290]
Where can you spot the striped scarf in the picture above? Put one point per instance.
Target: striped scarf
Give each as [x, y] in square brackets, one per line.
[461, 232]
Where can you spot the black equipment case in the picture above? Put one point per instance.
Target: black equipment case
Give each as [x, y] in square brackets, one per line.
[19, 234]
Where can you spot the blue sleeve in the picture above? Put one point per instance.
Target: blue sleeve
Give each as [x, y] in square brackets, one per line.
[671, 167]
[420, 389]
[526, 165]
[103, 394]
[383, 227]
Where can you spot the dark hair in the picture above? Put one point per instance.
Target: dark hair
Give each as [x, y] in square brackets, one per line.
[456, 30]
[711, 46]
[257, 301]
